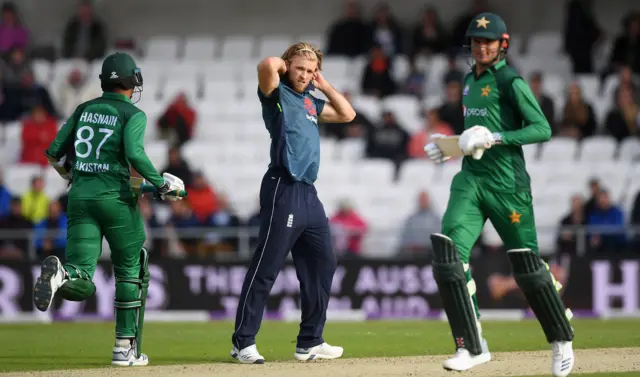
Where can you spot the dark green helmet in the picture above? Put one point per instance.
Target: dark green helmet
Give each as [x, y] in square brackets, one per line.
[120, 69]
[487, 25]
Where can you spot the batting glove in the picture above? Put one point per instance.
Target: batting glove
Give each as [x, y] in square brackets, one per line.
[434, 153]
[172, 185]
[475, 140]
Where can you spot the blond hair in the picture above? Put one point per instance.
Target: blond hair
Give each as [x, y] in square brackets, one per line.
[304, 49]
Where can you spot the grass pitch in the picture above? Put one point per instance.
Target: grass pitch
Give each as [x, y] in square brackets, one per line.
[61, 347]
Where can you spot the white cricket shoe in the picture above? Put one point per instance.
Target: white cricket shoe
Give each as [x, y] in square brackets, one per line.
[322, 351]
[52, 276]
[563, 359]
[126, 357]
[463, 360]
[247, 355]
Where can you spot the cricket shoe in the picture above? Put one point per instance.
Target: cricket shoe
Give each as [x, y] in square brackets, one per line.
[463, 360]
[126, 357]
[247, 355]
[52, 275]
[322, 351]
[563, 359]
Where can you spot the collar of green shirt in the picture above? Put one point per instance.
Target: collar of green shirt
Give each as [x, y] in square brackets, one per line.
[117, 96]
[492, 69]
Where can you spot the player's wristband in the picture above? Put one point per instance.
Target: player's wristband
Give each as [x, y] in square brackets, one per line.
[497, 137]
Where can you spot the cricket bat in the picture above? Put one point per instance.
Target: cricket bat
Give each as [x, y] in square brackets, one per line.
[449, 146]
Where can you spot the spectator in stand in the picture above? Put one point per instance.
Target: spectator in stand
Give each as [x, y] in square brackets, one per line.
[634, 221]
[152, 228]
[594, 189]
[226, 219]
[376, 79]
[623, 120]
[12, 33]
[626, 47]
[347, 228]
[51, 233]
[76, 89]
[578, 120]
[357, 128]
[581, 35]
[612, 237]
[453, 74]
[386, 31]
[567, 242]
[5, 198]
[178, 166]
[13, 67]
[416, 80]
[17, 245]
[418, 227]
[429, 34]
[202, 198]
[33, 94]
[626, 79]
[35, 203]
[84, 36]
[181, 221]
[389, 141]
[451, 111]
[178, 121]
[545, 102]
[349, 36]
[433, 125]
[38, 131]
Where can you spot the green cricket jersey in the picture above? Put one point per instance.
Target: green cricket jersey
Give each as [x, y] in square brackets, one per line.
[502, 101]
[106, 134]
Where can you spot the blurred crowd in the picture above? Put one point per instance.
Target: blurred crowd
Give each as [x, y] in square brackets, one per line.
[207, 212]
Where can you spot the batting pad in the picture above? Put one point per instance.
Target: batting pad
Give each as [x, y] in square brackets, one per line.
[449, 274]
[541, 290]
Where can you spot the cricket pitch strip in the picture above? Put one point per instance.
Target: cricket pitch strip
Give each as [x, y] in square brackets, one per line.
[502, 364]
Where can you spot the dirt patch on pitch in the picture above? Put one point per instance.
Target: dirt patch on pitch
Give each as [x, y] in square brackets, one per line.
[503, 364]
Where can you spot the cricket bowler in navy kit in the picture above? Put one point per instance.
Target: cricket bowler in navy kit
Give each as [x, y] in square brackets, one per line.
[292, 218]
[501, 115]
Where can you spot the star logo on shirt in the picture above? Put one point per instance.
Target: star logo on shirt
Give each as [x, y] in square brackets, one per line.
[485, 91]
[482, 23]
[515, 217]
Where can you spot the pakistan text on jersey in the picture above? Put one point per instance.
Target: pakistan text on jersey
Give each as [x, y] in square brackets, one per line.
[91, 167]
[109, 120]
[470, 111]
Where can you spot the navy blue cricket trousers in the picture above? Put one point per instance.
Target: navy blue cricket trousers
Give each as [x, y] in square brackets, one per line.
[292, 218]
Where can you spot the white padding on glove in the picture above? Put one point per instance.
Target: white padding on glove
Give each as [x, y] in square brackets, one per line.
[434, 153]
[475, 141]
[175, 185]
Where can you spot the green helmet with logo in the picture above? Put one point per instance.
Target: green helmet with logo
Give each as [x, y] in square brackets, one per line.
[490, 26]
[120, 70]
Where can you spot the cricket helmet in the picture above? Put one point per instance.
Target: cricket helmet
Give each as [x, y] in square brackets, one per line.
[490, 26]
[120, 69]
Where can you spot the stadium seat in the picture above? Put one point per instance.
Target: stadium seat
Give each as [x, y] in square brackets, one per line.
[629, 149]
[400, 68]
[55, 186]
[217, 90]
[368, 106]
[237, 47]
[273, 45]
[530, 152]
[590, 85]
[42, 71]
[559, 148]
[317, 40]
[437, 68]
[598, 148]
[162, 48]
[417, 173]
[328, 150]
[546, 44]
[375, 172]
[158, 153]
[200, 48]
[17, 178]
[553, 84]
[175, 86]
[63, 67]
[227, 70]
[351, 149]
[335, 67]
[406, 110]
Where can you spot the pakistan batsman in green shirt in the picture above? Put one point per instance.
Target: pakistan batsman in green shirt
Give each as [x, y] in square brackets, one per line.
[94, 149]
[501, 115]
